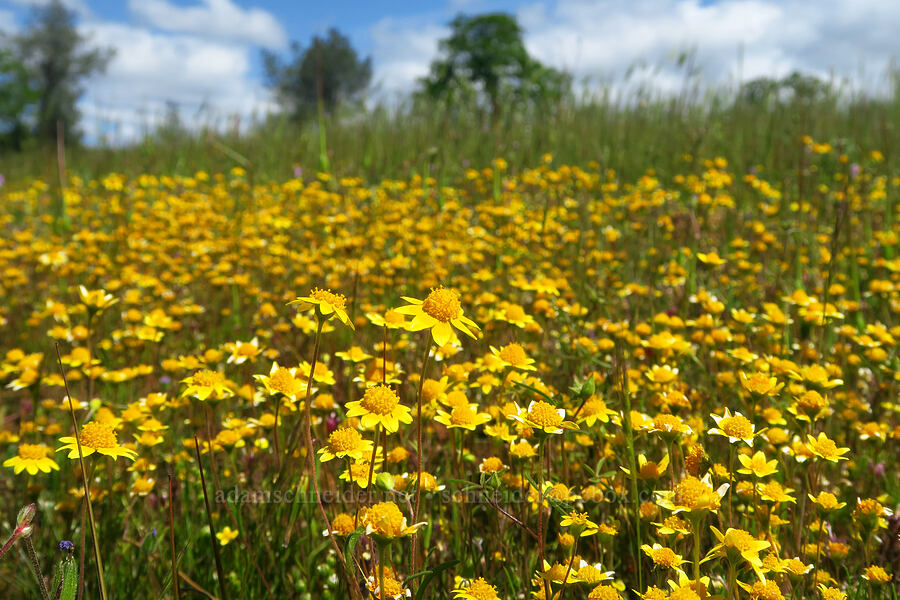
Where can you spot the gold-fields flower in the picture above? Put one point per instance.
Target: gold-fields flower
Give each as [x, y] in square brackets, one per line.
[463, 416]
[543, 416]
[31, 458]
[345, 442]
[96, 437]
[206, 384]
[380, 405]
[327, 304]
[737, 427]
[384, 521]
[440, 312]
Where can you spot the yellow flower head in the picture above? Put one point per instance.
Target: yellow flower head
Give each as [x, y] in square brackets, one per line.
[31, 458]
[440, 312]
[327, 304]
[380, 405]
[96, 437]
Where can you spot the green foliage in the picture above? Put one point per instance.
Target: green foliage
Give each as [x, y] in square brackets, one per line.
[16, 94]
[58, 59]
[329, 67]
[485, 56]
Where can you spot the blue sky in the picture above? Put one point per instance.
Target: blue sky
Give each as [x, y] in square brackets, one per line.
[204, 55]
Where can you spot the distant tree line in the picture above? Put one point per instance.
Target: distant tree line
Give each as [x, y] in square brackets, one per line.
[41, 75]
[482, 65]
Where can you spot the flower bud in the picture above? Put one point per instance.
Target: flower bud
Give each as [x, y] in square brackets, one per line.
[24, 520]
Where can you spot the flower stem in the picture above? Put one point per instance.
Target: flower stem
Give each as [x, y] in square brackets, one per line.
[36, 566]
[420, 454]
[85, 479]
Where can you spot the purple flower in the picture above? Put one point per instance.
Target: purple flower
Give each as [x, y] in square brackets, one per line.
[332, 422]
[67, 546]
[298, 172]
[854, 171]
[2, 179]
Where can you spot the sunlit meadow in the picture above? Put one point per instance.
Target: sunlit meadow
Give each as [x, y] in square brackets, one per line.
[525, 381]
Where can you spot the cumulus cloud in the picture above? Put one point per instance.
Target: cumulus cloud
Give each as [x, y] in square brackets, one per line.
[208, 80]
[402, 51]
[603, 41]
[214, 18]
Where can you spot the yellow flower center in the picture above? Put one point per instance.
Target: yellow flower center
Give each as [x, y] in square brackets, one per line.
[759, 383]
[513, 354]
[825, 447]
[481, 590]
[812, 399]
[442, 304]
[514, 312]
[33, 451]
[737, 426]
[385, 519]
[207, 378]
[667, 422]
[392, 317]
[98, 435]
[595, 406]
[739, 539]
[664, 557]
[338, 301]
[558, 491]
[869, 506]
[604, 592]
[462, 415]
[544, 415]
[380, 400]
[343, 524]
[344, 439]
[492, 464]
[590, 574]
[282, 381]
[693, 493]
[684, 593]
[827, 500]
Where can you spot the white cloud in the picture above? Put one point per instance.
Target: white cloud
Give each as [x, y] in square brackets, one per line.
[214, 18]
[603, 40]
[209, 81]
[402, 51]
[79, 6]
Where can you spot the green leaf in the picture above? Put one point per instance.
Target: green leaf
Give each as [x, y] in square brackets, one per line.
[430, 575]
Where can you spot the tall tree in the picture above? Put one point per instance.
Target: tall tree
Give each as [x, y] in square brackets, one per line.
[58, 59]
[16, 94]
[485, 54]
[329, 68]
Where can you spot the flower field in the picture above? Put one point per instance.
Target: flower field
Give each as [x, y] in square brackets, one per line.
[540, 381]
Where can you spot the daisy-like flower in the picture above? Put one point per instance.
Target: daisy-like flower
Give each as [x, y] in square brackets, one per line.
[31, 458]
[763, 590]
[693, 496]
[282, 380]
[358, 472]
[341, 524]
[543, 416]
[393, 589]
[711, 258]
[825, 448]
[580, 524]
[776, 493]
[591, 574]
[876, 574]
[757, 465]
[462, 416]
[96, 437]
[604, 592]
[827, 502]
[594, 410]
[737, 545]
[226, 535]
[391, 319]
[380, 405]
[761, 384]
[205, 384]
[96, 300]
[385, 522]
[513, 355]
[241, 352]
[345, 442]
[327, 304]
[736, 427]
[662, 557]
[478, 589]
[440, 312]
[831, 593]
[647, 469]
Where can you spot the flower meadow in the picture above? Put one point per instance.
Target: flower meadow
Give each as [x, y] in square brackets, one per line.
[531, 382]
